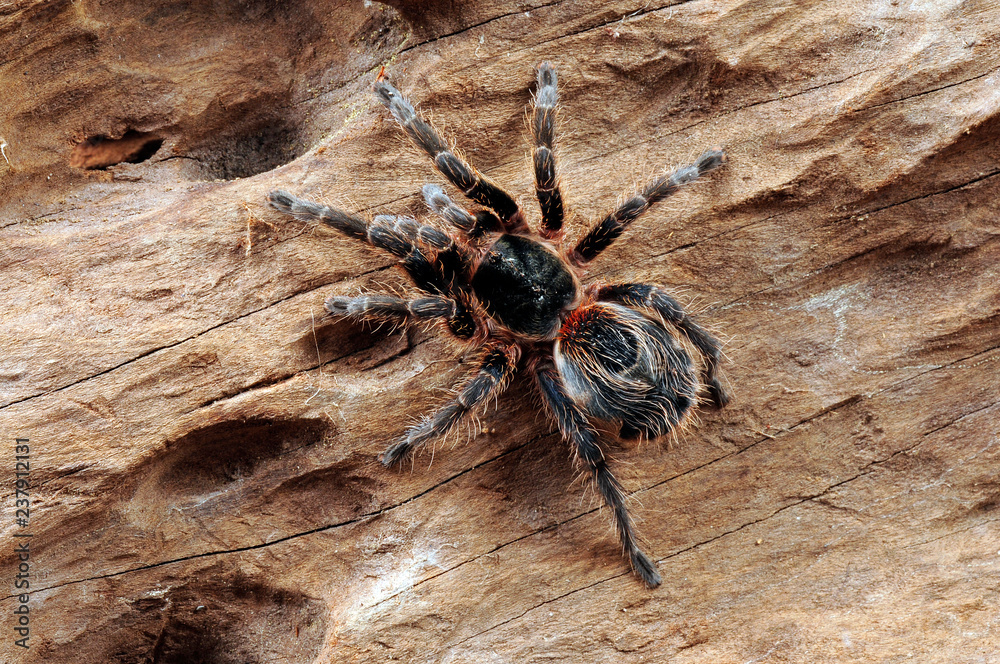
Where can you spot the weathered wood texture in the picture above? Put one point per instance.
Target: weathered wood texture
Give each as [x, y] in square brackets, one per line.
[203, 457]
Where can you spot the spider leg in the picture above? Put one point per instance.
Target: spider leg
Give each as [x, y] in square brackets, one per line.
[432, 258]
[648, 296]
[475, 226]
[383, 307]
[397, 235]
[575, 428]
[472, 183]
[609, 228]
[456, 315]
[438, 276]
[498, 366]
[543, 129]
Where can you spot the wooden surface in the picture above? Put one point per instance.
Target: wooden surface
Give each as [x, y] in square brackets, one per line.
[205, 484]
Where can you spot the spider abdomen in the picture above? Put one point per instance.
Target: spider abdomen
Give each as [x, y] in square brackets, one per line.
[524, 286]
[620, 365]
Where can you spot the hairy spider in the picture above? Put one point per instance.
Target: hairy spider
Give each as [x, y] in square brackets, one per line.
[614, 353]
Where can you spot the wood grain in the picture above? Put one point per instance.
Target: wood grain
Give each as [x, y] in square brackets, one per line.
[205, 483]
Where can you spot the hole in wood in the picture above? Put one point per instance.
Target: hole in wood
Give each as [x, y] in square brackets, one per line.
[99, 152]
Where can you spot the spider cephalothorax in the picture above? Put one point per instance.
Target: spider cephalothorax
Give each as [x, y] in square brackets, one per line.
[614, 353]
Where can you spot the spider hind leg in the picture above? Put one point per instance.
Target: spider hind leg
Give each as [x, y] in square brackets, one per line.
[574, 427]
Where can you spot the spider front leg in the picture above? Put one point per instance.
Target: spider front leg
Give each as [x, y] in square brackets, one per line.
[472, 183]
[386, 307]
[654, 298]
[543, 130]
[608, 230]
[380, 308]
[475, 226]
[397, 235]
[431, 257]
[498, 367]
[574, 427]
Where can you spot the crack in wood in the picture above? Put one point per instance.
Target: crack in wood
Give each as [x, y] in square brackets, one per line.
[479, 25]
[951, 533]
[927, 92]
[679, 248]
[367, 517]
[814, 498]
[776, 286]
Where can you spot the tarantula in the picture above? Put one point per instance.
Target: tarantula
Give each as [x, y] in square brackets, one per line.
[606, 352]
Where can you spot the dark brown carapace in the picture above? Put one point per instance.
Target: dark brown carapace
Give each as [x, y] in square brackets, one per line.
[611, 353]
